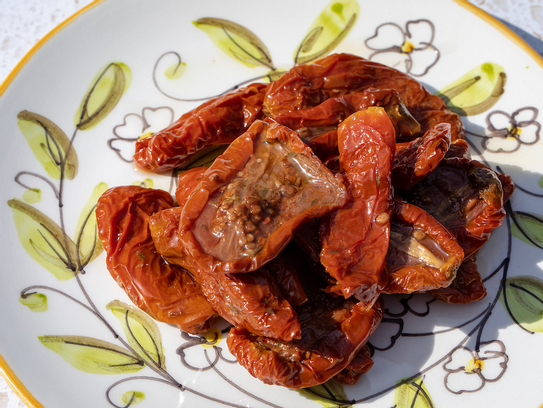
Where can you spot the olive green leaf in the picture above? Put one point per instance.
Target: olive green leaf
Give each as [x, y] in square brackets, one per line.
[141, 332]
[475, 92]
[44, 240]
[86, 235]
[147, 183]
[524, 295]
[273, 75]
[105, 91]
[236, 41]
[92, 355]
[37, 302]
[328, 30]
[528, 228]
[205, 157]
[328, 389]
[412, 394]
[540, 182]
[175, 71]
[49, 144]
[32, 195]
[133, 397]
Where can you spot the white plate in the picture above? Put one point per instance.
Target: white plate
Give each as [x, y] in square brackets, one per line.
[432, 341]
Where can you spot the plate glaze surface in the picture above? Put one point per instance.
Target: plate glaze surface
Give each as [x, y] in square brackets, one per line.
[124, 68]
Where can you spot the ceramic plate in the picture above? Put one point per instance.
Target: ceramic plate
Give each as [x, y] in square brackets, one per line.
[123, 68]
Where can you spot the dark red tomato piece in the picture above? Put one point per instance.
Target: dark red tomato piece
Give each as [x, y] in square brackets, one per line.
[167, 292]
[285, 273]
[467, 287]
[355, 238]
[465, 196]
[307, 86]
[307, 238]
[331, 338]
[423, 255]
[459, 148]
[218, 121]
[251, 200]
[186, 184]
[508, 186]
[252, 301]
[417, 158]
[361, 364]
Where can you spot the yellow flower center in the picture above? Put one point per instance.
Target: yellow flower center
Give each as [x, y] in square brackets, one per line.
[407, 47]
[474, 366]
[213, 337]
[512, 132]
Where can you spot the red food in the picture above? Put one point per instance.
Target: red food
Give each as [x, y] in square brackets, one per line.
[465, 196]
[188, 181]
[167, 292]
[218, 121]
[307, 86]
[355, 237]
[417, 158]
[361, 364]
[423, 255]
[250, 201]
[466, 288]
[459, 148]
[248, 300]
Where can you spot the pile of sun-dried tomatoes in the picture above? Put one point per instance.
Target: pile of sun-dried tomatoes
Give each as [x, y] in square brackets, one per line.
[342, 181]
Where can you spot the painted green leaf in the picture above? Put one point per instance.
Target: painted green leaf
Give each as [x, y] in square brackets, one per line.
[147, 183]
[529, 229]
[175, 71]
[330, 390]
[540, 182]
[525, 301]
[37, 302]
[92, 355]
[141, 332]
[44, 240]
[412, 394]
[475, 92]
[32, 195]
[273, 75]
[236, 41]
[133, 397]
[105, 91]
[49, 144]
[328, 30]
[205, 157]
[86, 235]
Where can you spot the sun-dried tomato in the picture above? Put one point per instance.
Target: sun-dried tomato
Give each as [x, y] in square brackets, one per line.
[423, 255]
[508, 186]
[465, 196]
[467, 287]
[248, 300]
[284, 271]
[417, 158]
[361, 364]
[333, 332]
[167, 292]
[307, 86]
[355, 237]
[218, 121]
[459, 148]
[186, 184]
[251, 200]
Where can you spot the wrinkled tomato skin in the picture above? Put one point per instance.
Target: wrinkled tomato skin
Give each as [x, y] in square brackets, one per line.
[285, 273]
[306, 86]
[186, 184]
[295, 366]
[355, 238]
[218, 121]
[418, 277]
[417, 158]
[167, 292]
[252, 301]
[195, 231]
[361, 364]
[458, 148]
[465, 196]
[468, 286]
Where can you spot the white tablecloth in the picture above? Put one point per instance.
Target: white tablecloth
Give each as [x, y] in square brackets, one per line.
[24, 22]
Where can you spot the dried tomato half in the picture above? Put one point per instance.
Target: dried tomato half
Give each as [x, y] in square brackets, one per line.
[252, 301]
[218, 121]
[361, 364]
[355, 237]
[423, 255]
[417, 158]
[309, 85]
[251, 200]
[186, 184]
[467, 287]
[167, 292]
[465, 196]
